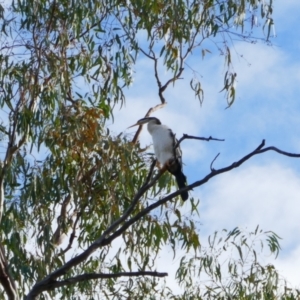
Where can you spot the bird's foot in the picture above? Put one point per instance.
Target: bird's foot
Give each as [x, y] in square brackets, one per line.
[168, 165]
[163, 169]
[171, 162]
[158, 164]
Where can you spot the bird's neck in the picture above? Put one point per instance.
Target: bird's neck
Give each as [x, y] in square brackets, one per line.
[153, 127]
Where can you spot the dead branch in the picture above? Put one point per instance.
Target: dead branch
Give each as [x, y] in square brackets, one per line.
[191, 137]
[211, 164]
[272, 148]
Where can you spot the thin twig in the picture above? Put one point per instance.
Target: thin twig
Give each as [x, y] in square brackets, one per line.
[90, 28]
[211, 168]
[191, 137]
[146, 54]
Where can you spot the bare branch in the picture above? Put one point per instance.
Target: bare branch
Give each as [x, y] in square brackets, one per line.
[177, 76]
[191, 137]
[180, 67]
[173, 79]
[155, 108]
[272, 148]
[211, 168]
[161, 87]
[146, 54]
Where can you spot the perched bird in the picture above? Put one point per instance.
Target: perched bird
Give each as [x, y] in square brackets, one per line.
[167, 155]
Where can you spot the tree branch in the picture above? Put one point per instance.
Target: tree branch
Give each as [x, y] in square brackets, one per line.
[89, 276]
[5, 277]
[161, 87]
[272, 148]
[191, 137]
[211, 164]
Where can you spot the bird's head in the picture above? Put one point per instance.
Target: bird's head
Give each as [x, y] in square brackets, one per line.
[146, 120]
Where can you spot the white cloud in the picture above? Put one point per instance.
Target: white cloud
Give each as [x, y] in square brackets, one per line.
[265, 195]
[254, 195]
[288, 267]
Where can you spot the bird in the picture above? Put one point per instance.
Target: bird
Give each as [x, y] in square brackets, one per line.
[167, 150]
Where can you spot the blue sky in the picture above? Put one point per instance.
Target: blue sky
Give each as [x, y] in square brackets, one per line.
[266, 189]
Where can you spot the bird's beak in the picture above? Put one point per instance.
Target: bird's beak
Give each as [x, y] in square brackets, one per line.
[137, 124]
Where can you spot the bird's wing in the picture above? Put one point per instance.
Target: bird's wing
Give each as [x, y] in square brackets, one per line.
[175, 168]
[176, 151]
[177, 155]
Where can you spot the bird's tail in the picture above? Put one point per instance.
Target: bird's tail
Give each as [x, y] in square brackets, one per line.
[181, 182]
